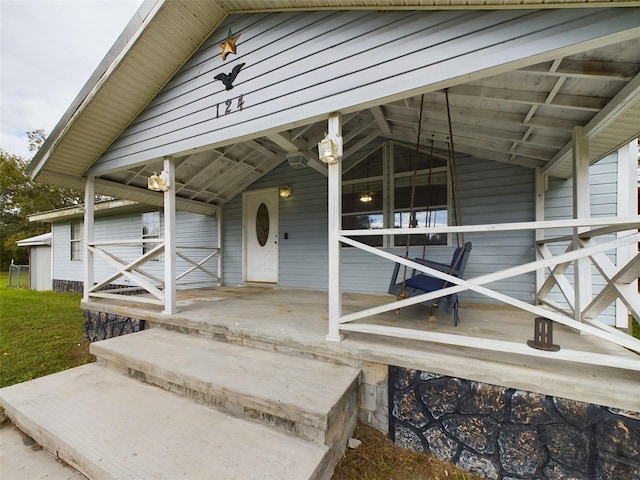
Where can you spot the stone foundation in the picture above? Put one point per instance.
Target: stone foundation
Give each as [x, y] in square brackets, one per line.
[101, 325]
[71, 286]
[74, 286]
[503, 433]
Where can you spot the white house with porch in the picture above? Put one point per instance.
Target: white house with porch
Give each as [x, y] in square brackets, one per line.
[488, 150]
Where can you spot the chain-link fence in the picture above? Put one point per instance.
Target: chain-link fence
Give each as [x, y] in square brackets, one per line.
[19, 276]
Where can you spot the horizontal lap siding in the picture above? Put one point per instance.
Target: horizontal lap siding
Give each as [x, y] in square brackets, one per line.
[504, 193]
[559, 205]
[192, 230]
[301, 65]
[492, 192]
[63, 268]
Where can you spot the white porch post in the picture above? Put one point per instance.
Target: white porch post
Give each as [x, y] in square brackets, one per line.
[627, 207]
[581, 210]
[539, 202]
[170, 238]
[335, 222]
[89, 196]
[220, 266]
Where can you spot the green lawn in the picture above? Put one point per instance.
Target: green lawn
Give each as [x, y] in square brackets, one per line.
[40, 333]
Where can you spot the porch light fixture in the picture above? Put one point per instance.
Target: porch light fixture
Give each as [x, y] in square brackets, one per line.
[297, 159]
[366, 197]
[158, 183]
[285, 192]
[328, 151]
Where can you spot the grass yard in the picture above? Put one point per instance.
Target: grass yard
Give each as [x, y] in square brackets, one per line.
[40, 333]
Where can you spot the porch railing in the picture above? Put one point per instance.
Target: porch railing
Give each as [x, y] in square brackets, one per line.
[619, 283]
[196, 259]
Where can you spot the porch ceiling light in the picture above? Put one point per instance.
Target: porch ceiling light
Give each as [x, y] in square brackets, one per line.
[285, 192]
[158, 183]
[328, 151]
[366, 197]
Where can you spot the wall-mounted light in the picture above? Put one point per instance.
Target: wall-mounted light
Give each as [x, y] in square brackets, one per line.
[328, 151]
[158, 183]
[285, 192]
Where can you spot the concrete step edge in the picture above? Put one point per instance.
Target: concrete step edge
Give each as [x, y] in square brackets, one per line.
[148, 356]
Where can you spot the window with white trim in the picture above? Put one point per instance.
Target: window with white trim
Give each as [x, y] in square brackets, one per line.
[150, 229]
[425, 178]
[396, 168]
[76, 241]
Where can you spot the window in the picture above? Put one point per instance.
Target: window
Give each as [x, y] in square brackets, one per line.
[150, 229]
[76, 241]
[428, 177]
[364, 194]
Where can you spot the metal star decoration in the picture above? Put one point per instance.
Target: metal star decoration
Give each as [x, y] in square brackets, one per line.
[229, 45]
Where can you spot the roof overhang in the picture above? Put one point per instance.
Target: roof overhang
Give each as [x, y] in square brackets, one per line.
[43, 239]
[126, 81]
[111, 207]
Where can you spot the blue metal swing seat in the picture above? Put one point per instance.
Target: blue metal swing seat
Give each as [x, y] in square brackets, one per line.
[419, 283]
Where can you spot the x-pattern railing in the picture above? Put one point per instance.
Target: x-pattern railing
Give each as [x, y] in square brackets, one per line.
[619, 284]
[140, 278]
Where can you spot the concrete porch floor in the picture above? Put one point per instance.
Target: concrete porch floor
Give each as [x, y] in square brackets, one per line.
[296, 322]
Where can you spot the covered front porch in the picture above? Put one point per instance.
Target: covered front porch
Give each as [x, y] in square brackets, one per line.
[295, 321]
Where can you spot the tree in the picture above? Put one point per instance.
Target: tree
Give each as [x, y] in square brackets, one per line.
[20, 197]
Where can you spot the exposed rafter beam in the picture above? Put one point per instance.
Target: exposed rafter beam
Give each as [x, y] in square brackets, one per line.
[143, 195]
[592, 70]
[291, 147]
[362, 143]
[380, 117]
[575, 102]
[629, 95]
[283, 142]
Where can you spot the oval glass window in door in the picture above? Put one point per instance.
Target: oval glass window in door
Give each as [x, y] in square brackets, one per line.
[262, 224]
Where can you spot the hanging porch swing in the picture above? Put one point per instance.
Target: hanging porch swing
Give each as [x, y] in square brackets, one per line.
[418, 283]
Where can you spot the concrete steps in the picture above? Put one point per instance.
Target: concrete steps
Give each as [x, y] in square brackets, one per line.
[239, 413]
[312, 399]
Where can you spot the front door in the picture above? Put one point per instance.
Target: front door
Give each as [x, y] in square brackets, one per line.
[261, 235]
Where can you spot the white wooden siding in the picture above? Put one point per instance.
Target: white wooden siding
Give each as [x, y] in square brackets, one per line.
[490, 192]
[191, 230]
[301, 65]
[40, 267]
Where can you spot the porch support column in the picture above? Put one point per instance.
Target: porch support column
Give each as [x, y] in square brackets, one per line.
[581, 210]
[335, 221]
[89, 199]
[170, 238]
[627, 207]
[541, 187]
[220, 265]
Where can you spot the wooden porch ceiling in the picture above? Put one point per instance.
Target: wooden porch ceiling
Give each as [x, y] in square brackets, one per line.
[522, 117]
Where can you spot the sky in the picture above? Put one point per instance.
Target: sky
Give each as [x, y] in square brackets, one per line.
[48, 50]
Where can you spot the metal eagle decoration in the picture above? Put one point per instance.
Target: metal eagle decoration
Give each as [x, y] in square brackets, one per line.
[228, 78]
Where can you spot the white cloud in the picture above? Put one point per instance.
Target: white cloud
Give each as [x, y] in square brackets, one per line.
[48, 50]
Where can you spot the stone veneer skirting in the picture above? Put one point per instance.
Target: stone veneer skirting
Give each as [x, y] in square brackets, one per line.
[503, 433]
[72, 286]
[101, 325]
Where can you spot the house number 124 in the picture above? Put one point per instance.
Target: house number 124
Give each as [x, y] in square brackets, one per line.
[226, 107]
